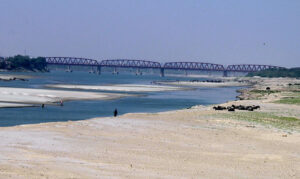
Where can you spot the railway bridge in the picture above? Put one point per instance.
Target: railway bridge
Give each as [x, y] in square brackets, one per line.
[144, 64]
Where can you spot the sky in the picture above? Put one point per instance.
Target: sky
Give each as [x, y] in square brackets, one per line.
[215, 31]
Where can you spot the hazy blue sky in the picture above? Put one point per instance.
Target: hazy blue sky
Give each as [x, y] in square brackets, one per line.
[223, 31]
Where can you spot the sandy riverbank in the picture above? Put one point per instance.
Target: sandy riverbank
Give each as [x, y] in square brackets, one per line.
[21, 97]
[191, 143]
[120, 87]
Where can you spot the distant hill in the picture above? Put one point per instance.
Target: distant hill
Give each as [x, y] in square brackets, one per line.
[283, 72]
[23, 63]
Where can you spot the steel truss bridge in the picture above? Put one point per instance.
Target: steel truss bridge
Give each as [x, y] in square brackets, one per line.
[142, 64]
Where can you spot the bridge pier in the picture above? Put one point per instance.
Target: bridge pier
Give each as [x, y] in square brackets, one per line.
[162, 72]
[69, 68]
[138, 71]
[115, 71]
[225, 73]
[99, 70]
[92, 70]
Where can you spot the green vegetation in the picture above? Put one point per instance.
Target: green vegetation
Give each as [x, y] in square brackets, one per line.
[263, 92]
[259, 94]
[291, 97]
[289, 100]
[265, 118]
[282, 72]
[24, 63]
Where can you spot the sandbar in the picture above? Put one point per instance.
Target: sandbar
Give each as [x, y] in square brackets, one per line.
[120, 87]
[43, 96]
[10, 77]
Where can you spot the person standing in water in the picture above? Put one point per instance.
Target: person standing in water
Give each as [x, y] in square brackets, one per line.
[115, 112]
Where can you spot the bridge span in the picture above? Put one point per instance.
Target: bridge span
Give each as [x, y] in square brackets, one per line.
[142, 64]
[250, 67]
[129, 63]
[126, 63]
[247, 68]
[199, 66]
[71, 61]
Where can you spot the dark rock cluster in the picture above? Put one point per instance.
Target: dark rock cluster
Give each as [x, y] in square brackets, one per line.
[236, 107]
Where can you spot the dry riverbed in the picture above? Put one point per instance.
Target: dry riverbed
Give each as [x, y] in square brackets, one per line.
[191, 143]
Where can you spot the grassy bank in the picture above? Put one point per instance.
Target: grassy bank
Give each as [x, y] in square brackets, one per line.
[289, 100]
[265, 118]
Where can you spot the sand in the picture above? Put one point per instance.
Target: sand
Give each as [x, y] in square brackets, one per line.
[42, 96]
[9, 77]
[14, 105]
[191, 143]
[120, 87]
[27, 97]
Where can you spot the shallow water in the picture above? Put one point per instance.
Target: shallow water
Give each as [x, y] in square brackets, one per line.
[79, 110]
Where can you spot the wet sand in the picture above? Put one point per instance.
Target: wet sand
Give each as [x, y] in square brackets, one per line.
[191, 143]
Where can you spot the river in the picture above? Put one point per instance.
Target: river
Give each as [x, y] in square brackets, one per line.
[80, 110]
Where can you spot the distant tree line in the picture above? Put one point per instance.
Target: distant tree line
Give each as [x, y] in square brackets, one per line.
[24, 63]
[282, 72]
